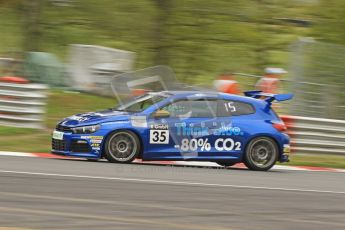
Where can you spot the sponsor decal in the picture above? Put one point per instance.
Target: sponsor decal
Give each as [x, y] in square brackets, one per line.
[227, 144]
[95, 141]
[80, 119]
[92, 137]
[96, 146]
[220, 144]
[159, 126]
[194, 145]
[200, 131]
[139, 121]
[228, 131]
[194, 131]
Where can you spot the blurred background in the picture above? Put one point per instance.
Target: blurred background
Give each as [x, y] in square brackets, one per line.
[57, 58]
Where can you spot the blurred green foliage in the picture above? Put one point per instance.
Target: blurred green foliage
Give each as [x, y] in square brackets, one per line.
[329, 21]
[197, 38]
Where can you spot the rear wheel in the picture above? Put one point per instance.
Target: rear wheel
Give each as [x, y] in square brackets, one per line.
[122, 147]
[261, 154]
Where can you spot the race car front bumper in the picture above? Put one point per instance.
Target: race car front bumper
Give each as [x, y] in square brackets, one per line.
[77, 145]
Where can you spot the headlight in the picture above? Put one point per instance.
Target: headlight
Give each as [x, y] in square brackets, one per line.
[85, 129]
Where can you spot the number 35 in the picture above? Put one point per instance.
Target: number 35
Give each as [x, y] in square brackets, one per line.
[159, 136]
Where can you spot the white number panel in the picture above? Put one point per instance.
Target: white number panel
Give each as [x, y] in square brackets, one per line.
[159, 136]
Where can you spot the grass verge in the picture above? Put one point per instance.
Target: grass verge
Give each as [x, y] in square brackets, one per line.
[60, 104]
[323, 160]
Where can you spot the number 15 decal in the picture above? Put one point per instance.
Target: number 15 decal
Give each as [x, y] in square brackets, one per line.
[159, 136]
[229, 106]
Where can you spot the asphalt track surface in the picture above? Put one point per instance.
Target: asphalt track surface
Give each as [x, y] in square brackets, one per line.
[37, 193]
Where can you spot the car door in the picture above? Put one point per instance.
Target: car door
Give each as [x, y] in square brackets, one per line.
[189, 127]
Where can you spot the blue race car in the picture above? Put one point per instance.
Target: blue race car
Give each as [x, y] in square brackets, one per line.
[179, 126]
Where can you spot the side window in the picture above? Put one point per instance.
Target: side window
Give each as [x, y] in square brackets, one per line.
[192, 108]
[234, 108]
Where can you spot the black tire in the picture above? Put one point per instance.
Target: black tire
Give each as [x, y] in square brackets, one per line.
[226, 163]
[261, 154]
[122, 147]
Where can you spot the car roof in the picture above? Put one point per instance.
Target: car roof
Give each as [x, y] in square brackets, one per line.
[213, 94]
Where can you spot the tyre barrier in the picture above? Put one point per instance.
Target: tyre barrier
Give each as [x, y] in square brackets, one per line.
[22, 105]
[316, 135]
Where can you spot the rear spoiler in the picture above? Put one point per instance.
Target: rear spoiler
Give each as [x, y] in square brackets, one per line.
[269, 97]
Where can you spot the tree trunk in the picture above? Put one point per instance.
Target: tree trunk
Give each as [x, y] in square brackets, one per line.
[160, 38]
[30, 13]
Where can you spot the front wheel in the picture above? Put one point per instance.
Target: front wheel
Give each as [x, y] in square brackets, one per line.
[261, 154]
[122, 147]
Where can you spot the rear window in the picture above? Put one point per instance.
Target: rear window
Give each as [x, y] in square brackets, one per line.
[234, 108]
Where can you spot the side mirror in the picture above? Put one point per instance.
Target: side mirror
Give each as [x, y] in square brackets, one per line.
[161, 114]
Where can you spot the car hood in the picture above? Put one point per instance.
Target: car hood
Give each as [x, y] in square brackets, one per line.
[95, 118]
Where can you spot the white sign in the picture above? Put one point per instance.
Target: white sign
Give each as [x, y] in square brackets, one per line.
[159, 136]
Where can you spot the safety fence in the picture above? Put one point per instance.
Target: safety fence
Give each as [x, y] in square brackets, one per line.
[310, 99]
[316, 135]
[321, 66]
[22, 105]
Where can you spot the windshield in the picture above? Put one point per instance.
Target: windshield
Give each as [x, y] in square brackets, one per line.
[127, 86]
[139, 104]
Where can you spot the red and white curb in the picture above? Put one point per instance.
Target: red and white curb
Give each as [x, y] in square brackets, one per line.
[178, 163]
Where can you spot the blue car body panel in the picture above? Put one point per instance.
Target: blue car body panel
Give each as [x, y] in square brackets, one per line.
[215, 133]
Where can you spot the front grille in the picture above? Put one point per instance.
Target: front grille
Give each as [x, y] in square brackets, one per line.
[59, 145]
[63, 128]
[80, 147]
